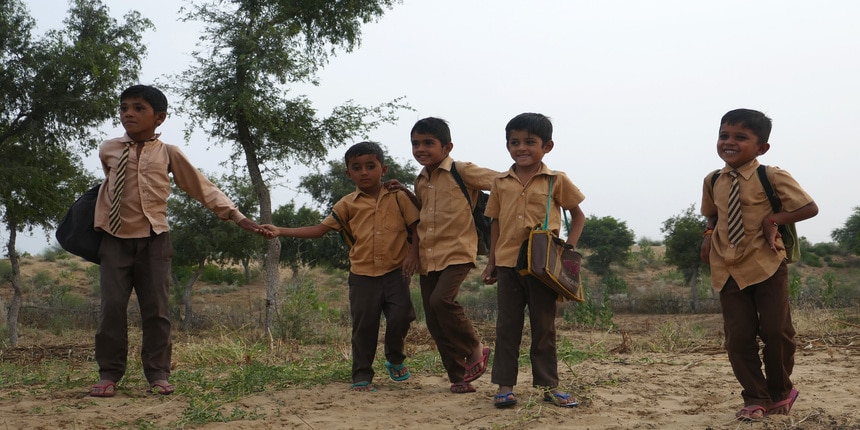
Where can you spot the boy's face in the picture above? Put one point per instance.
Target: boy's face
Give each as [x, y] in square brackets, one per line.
[366, 172]
[428, 150]
[738, 145]
[526, 149]
[139, 119]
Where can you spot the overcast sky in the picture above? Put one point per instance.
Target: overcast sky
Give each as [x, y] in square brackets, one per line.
[635, 91]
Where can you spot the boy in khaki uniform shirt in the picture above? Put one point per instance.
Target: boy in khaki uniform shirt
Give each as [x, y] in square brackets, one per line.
[518, 202]
[446, 247]
[378, 280]
[750, 271]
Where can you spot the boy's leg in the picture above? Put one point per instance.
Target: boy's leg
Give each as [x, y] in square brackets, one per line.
[111, 340]
[511, 299]
[451, 329]
[399, 314]
[365, 307]
[777, 333]
[151, 284]
[542, 310]
[740, 322]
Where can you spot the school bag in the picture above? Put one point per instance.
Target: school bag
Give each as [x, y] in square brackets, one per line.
[482, 222]
[787, 231]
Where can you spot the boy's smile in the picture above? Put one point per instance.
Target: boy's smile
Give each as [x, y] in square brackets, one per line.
[526, 149]
[428, 150]
[738, 145]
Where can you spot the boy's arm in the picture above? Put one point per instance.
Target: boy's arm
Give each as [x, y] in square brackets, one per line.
[489, 274]
[306, 232]
[394, 184]
[410, 263]
[771, 222]
[705, 251]
[577, 223]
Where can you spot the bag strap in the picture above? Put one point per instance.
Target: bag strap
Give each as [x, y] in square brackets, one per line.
[343, 227]
[548, 200]
[775, 203]
[459, 181]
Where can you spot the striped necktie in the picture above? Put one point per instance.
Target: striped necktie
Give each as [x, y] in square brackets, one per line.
[115, 222]
[736, 225]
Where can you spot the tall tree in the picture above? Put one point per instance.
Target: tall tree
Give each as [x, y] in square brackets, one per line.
[55, 91]
[252, 50]
[683, 241]
[848, 237]
[609, 241]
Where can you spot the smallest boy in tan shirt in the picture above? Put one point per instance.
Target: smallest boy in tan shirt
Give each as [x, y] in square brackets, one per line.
[378, 220]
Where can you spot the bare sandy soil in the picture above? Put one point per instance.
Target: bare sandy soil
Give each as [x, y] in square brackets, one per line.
[690, 390]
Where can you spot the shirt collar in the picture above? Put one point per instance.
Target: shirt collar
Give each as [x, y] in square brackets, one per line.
[746, 171]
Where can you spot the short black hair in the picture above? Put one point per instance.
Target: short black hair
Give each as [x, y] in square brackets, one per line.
[436, 127]
[534, 123]
[754, 120]
[364, 148]
[152, 95]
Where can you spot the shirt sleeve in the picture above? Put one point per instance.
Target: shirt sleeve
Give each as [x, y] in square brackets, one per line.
[190, 180]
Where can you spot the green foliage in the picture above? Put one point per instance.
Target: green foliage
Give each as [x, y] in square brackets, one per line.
[303, 316]
[54, 91]
[683, 240]
[328, 250]
[249, 53]
[214, 274]
[609, 240]
[5, 271]
[614, 284]
[647, 242]
[848, 236]
[590, 313]
[795, 283]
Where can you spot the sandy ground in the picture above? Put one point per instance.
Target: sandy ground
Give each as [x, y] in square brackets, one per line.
[692, 390]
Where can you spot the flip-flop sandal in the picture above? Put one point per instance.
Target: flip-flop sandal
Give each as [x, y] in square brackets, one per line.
[462, 388]
[104, 388]
[751, 413]
[504, 400]
[783, 407]
[363, 387]
[397, 369]
[476, 370]
[562, 400]
[161, 387]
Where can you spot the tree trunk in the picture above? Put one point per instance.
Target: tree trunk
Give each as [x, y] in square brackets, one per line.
[15, 306]
[273, 246]
[694, 295]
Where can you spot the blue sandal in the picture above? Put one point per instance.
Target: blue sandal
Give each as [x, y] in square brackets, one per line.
[562, 400]
[397, 369]
[504, 400]
[363, 386]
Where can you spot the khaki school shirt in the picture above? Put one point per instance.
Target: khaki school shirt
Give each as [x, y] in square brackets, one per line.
[379, 226]
[520, 207]
[143, 204]
[447, 229]
[751, 261]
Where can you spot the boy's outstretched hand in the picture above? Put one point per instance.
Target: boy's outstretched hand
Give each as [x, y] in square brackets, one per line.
[271, 231]
[253, 227]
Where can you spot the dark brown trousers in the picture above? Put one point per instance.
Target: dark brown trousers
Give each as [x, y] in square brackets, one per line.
[142, 265]
[370, 297]
[515, 293]
[446, 319]
[761, 310]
